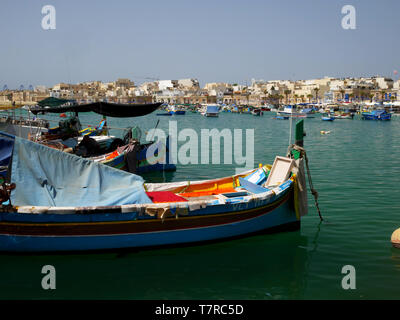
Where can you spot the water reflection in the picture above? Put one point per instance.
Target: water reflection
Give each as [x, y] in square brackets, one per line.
[258, 267]
[159, 176]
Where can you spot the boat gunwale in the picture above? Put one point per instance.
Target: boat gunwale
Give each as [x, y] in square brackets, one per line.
[153, 225]
[272, 195]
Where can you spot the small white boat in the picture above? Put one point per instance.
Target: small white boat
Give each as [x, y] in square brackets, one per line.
[291, 112]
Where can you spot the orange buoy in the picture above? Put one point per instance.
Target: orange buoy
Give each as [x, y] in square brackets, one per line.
[396, 238]
[63, 115]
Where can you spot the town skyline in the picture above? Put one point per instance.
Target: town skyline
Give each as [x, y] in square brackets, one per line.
[246, 82]
[189, 91]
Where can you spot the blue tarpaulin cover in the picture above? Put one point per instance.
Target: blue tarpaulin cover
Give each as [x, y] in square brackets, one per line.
[48, 177]
[6, 146]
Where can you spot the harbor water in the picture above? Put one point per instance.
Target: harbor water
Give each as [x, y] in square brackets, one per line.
[355, 169]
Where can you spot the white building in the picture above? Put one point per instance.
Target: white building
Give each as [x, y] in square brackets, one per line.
[165, 84]
[189, 83]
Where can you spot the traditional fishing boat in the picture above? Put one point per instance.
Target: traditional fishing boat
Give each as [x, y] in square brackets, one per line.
[134, 157]
[126, 154]
[175, 109]
[164, 114]
[33, 127]
[265, 108]
[256, 112]
[327, 117]
[281, 118]
[376, 115]
[55, 201]
[343, 115]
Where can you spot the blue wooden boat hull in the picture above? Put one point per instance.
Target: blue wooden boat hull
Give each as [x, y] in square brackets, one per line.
[372, 116]
[177, 112]
[21, 232]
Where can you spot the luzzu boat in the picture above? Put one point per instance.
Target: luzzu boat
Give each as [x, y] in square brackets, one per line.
[376, 115]
[60, 202]
[257, 112]
[134, 158]
[281, 118]
[131, 156]
[343, 115]
[178, 110]
[327, 118]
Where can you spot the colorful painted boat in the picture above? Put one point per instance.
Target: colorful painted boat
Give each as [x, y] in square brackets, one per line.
[376, 115]
[123, 157]
[281, 118]
[104, 147]
[344, 115]
[89, 206]
[328, 117]
[257, 112]
[265, 108]
[178, 110]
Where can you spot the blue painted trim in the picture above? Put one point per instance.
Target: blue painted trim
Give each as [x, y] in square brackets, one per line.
[279, 216]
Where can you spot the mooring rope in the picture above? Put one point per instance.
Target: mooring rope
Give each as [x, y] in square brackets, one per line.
[313, 191]
[310, 183]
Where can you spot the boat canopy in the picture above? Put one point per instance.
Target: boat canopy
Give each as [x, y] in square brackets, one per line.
[47, 177]
[53, 102]
[103, 108]
[378, 112]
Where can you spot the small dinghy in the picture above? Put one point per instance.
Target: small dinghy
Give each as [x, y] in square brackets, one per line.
[281, 118]
[328, 117]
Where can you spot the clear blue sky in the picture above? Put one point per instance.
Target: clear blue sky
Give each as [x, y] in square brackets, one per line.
[212, 40]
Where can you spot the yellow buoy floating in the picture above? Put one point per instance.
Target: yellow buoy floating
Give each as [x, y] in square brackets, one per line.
[396, 238]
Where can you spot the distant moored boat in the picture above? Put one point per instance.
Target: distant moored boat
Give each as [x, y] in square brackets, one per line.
[211, 111]
[376, 115]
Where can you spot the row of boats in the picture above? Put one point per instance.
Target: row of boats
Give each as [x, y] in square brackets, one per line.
[94, 142]
[328, 112]
[71, 189]
[208, 110]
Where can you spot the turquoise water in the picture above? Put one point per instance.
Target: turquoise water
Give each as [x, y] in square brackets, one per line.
[356, 171]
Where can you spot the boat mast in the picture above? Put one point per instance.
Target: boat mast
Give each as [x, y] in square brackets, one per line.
[290, 126]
